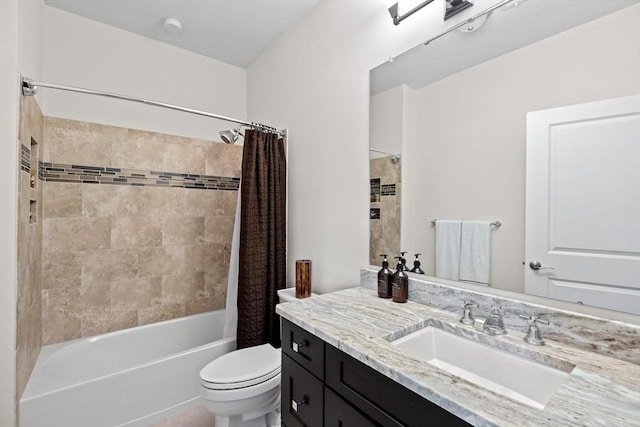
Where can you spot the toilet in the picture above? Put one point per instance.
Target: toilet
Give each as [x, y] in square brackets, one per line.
[242, 388]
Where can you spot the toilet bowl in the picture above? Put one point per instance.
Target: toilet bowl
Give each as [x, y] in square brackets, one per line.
[242, 388]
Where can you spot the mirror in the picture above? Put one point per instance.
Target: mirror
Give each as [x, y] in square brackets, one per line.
[454, 111]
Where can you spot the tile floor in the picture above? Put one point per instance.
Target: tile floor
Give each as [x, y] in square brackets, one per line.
[198, 416]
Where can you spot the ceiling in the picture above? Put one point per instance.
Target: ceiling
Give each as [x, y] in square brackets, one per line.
[233, 31]
[503, 31]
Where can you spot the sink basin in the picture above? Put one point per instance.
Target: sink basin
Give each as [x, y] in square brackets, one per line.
[497, 370]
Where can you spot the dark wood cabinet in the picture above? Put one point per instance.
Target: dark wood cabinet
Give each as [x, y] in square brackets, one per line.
[323, 386]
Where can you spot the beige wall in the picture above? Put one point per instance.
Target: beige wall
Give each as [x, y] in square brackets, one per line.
[29, 309]
[468, 154]
[117, 256]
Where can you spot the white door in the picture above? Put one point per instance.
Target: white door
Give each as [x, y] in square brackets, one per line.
[583, 204]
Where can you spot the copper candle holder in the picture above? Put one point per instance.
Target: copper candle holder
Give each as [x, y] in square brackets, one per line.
[303, 278]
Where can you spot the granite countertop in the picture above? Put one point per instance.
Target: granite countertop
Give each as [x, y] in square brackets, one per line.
[600, 391]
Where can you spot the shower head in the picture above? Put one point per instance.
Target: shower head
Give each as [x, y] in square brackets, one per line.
[230, 136]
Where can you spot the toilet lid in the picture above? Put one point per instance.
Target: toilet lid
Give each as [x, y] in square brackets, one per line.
[242, 368]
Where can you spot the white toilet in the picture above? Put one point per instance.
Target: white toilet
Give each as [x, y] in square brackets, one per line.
[242, 388]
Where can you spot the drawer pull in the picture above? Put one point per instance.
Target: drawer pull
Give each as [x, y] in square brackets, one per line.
[295, 404]
[295, 346]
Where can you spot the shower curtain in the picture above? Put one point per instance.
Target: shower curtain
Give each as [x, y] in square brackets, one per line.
[262, 260]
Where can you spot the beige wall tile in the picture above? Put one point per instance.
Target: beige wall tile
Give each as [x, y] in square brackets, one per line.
[109, 264]
[203, 203]
[133, 294]
[136, 232]
[119, 256]
[181, 288]
[140, 150]
[110, 200]
[62, 200]
[61, 269]
[215, 284]
[204, 304]
[218, 229]
[102, 320]
[223, 159]
[195, 259]
[230, 202]
[181, 155]
[73, 142]
[55, 332]
[78, 234]
[160, 312]
[161, 202]
[160, 261]
[183, 230]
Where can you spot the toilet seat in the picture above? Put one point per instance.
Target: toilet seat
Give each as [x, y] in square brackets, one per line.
[242, 368]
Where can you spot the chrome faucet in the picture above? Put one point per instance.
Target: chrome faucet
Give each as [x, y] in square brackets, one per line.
[533, 336]
[467, 315]
[494, 325]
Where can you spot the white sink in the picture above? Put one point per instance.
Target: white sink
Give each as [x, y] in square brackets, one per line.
[497, 370]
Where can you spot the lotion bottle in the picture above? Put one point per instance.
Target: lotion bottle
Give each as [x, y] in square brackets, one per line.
[400, 288]
[385, 277]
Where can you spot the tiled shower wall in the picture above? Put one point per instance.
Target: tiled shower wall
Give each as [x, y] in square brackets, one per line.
[137, 227]
[384, 217]
[29, 309]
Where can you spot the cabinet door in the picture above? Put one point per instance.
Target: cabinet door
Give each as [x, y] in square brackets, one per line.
[302, 396]
[304, 348]
[338, 413]
[388, 403]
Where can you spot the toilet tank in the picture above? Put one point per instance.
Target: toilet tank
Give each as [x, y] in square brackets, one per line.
[289, 294]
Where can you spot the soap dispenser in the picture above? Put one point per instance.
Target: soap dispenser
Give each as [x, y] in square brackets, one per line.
[400, 288]
[403, 261]
[416, 266]
[385, 277]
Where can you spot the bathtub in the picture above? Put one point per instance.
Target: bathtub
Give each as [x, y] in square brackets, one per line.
[127, 378]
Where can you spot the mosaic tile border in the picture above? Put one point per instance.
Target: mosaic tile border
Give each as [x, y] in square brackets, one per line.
[25, 158]
[84, 174]
[388, 190]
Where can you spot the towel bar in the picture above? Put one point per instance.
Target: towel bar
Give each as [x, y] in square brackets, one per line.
[496, 224]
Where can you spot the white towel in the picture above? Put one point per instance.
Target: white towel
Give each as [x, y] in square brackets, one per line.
[448, 249]
[475, 251]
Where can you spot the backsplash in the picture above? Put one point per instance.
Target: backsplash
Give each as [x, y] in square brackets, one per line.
[611, 338]
[137, 227]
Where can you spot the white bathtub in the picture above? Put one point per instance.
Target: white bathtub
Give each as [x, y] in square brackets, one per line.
[125, 378]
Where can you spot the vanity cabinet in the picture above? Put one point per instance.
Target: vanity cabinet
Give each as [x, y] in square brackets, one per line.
[323, 386]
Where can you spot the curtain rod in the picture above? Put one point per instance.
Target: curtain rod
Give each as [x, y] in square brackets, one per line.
[29, 88]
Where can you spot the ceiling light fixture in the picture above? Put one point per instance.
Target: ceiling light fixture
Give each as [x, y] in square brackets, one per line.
[172, 25]
[453, 7]
[397, 19]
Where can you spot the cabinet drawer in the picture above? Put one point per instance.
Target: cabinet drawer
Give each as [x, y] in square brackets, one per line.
[303, 347]
[338, 413]
[379, 396]
[302, 396]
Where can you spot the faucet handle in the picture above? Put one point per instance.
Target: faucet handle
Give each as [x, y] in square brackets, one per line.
[534, 320]
[467, 315]
[468, 304]
[533, 336]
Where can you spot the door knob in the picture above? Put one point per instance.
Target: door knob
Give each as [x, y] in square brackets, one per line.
[535, 265]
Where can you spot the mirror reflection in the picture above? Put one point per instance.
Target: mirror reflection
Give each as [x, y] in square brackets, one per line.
[455, 112]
